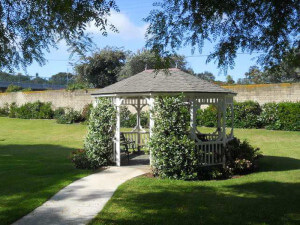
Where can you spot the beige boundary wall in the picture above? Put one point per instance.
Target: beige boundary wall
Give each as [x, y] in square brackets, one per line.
[261, 93]
[59, 98]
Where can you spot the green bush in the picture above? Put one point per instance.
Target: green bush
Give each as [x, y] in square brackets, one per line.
[241, 157]
[58, 112]
[207, 117]
[98, 143]
[79, 158]
[173, 152]
[13, 110]
[13, 88]
[35, 110]
[4, 111]
[26, 89]
[247, 115]
[77, 86]
[86, 112]
[281, 116]
[128, 119]
[71, 116]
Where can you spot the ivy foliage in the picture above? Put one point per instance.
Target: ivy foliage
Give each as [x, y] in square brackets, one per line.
[101, 130]
[173, 154]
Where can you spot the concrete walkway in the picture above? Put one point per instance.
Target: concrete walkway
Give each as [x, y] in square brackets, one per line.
[81, 201]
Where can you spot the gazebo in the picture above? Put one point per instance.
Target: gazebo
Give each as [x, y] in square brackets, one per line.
[141, 89]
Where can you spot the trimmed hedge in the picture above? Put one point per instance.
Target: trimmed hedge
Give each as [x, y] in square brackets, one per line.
[36, 110]
[249, 114]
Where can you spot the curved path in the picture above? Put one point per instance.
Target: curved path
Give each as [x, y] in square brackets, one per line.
[80, 201]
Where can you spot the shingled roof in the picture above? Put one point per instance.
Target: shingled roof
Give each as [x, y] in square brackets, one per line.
[176, 81]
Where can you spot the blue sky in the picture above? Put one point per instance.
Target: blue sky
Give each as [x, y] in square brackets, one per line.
[131, 37]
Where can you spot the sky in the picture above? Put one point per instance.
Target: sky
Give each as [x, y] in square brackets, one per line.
[131, 27]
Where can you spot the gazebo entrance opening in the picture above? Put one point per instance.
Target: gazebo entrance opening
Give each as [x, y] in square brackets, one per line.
[140, 91]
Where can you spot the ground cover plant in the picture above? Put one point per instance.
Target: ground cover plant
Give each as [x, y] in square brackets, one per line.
[35, 163]
[269, 196]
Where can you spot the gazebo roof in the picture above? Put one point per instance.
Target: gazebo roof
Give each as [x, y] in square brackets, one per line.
[148, 81]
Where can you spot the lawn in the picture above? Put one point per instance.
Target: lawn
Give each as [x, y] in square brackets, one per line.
[269, 196]
[34, 163]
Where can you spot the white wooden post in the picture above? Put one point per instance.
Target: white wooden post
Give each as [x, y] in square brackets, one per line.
[219, 107]
[224, 128]
[118, 130]
[193, 114]
[151, 122]
[138, 123]
[232, 120]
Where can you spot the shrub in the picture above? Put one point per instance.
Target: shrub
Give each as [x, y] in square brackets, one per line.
[26, 89]
[79, 158]
[241, 156]
[13, 88]
[58, 112]
[4, 111]
[71, 116]
[128, 119]
[13, 110]
[207, 117]
[101, 130]
[86, 112]
[36, 110]
[77, 86]
[281, 116]
[247, 114]
[173, 152]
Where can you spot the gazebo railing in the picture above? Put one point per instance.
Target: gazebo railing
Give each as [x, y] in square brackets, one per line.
[133, 136]
[211, 152]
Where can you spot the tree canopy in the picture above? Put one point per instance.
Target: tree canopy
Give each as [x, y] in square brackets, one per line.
[206, 76]
[271, 27]
[29, 27]
[145, 59]
[102, 68]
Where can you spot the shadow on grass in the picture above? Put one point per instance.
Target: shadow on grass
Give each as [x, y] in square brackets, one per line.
[254, 203]
[278, 163]
[31, 174]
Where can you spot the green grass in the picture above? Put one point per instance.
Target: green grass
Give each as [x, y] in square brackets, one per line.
[269, 196]
[34, 163]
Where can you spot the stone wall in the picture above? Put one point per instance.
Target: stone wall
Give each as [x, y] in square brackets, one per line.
[261, 93]
[59, 98]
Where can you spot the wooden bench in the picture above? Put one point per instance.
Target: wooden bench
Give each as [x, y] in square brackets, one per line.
[128, 144]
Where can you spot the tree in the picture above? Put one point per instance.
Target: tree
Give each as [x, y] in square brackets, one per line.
[254, 75]
[236, 25]
[145, 59]
[206, 76]
[14, 78]
[29, 27]
[102, 68]
[229, 79]
[62, 78]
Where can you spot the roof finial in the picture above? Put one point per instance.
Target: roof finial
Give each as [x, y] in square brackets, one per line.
[146, 66]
